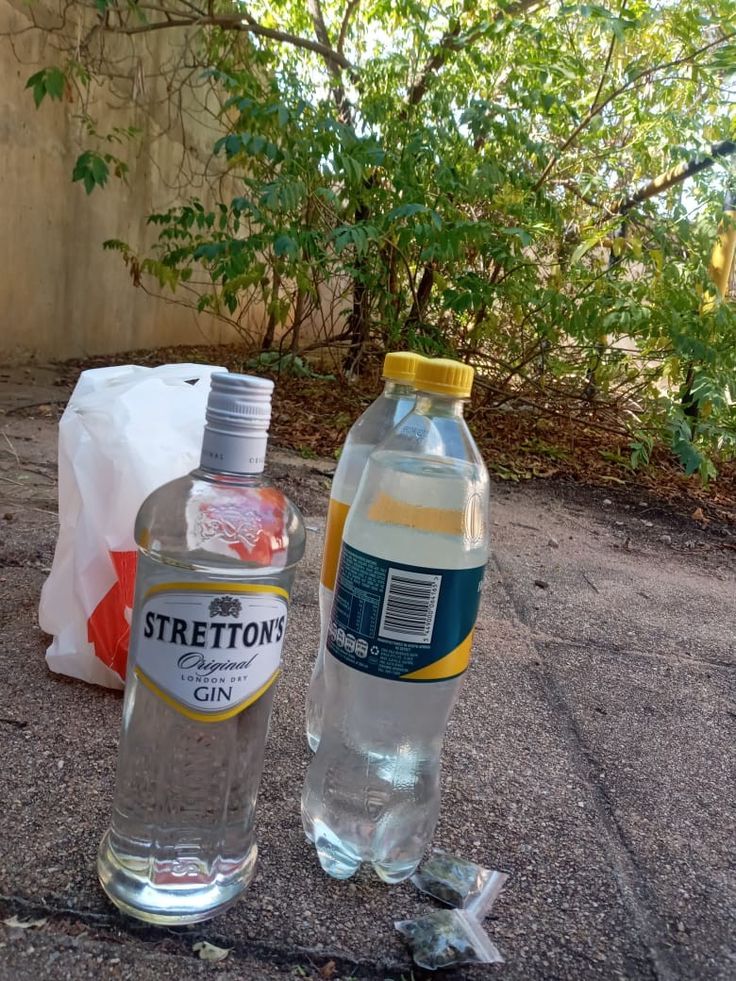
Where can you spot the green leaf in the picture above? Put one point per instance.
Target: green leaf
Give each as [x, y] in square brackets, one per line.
[406, 211]
[48, 81]
[284, 245]
[91, 169]
[580, 250]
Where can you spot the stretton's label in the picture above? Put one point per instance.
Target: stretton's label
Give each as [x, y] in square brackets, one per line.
[209, 650]
[403, 622]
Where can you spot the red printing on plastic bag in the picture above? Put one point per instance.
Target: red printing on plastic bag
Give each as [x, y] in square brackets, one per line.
[108, 629]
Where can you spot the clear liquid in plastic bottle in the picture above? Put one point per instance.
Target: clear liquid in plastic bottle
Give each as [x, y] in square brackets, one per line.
[396, 400]
[217, 555]
[415, 547]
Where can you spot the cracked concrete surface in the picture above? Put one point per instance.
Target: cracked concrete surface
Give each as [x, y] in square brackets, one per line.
[591, 755]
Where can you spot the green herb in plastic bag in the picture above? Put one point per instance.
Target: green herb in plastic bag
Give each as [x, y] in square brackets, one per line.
[459, 883]
[447, 938]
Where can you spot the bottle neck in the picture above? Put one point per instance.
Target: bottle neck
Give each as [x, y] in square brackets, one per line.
[398, 390]
[445, 406]
[228, 452]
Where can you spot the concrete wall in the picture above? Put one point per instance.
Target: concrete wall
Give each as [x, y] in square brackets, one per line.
[61, 294]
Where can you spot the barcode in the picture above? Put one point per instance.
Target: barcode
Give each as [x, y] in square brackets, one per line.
[409, 606]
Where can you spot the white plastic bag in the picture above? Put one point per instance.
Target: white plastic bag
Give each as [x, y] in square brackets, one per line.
[125, 431]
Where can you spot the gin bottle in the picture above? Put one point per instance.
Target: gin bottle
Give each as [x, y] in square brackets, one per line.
[218, 550]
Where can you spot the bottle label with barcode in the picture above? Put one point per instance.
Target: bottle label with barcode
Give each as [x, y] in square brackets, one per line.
[403, 622]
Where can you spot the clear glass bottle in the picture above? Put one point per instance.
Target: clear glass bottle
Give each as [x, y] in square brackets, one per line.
[217, 555]
[415, 547]
[394, 402]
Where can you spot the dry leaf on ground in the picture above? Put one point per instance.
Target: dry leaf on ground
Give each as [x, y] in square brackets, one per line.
[210, 952]
[15, 924]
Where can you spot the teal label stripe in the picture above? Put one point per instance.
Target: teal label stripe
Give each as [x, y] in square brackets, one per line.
[390, 619]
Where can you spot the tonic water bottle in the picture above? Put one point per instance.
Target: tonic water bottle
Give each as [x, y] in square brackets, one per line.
[415, 547]
[396, 400]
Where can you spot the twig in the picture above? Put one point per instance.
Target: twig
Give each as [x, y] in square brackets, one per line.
[591, 583]
[349, 11]
[29, 507]
[604, 73]
[12, 448]
[34, 405]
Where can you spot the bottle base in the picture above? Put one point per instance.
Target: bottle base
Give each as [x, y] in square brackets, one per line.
[340, 861]
[171, 898]
[312, 741]
[396, 872]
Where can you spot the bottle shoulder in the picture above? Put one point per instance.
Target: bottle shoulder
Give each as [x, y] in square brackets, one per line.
[221, 520]
[371, 428]
[421, 436]
[377, 421]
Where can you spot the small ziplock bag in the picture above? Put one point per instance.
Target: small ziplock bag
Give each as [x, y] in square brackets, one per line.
[459, 883]
[448, 938]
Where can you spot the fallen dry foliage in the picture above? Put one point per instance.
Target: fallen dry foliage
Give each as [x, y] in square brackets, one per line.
[519, 441]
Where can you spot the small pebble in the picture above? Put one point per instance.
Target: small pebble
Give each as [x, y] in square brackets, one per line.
[607, 501]
[553, 543]
[647, 524]
[619, 524]
[667, 539]
[541, 583]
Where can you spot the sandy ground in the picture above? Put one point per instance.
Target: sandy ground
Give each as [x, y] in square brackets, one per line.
[591, 755]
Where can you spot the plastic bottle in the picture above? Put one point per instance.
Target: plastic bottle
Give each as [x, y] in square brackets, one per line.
[396, 400]
[415, 547]
[217, 555]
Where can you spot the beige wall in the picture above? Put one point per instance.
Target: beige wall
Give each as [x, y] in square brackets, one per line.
[62, 295]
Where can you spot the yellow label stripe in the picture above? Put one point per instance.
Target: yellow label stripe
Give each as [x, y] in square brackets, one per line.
[210, 587]
[204, 716]
[449, 666]
[442, 521]
[337, 513]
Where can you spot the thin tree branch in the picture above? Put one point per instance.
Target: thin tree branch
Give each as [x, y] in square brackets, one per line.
[676, 175]
[240, 23]
[453, 40]
[630, 85]
[318, 20]
[346, 18]
[322, 35]
[604, 73]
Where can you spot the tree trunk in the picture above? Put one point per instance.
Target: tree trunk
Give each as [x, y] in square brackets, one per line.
[358, 325]
[424, 290]
[301, 298]
[267, 342]
[359, 319]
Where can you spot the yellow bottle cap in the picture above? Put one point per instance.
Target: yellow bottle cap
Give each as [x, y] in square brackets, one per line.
[400, 366]
[444, 377]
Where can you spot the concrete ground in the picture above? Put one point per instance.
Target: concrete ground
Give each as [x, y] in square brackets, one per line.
[591, 756]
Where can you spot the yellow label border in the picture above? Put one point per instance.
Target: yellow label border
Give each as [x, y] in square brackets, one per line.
[204, 716]
[206, 587]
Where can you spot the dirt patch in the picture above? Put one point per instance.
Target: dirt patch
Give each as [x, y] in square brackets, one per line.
[560, 443]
